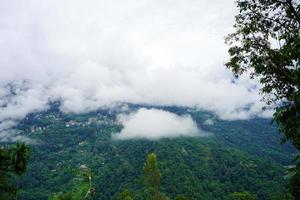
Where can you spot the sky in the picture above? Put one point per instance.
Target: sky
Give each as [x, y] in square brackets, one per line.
[94, 53]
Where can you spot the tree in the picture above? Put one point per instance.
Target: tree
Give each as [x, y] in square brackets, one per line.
[13, 160]
[241, 196]
[125, 195]
[266, 43]
[151, 178]
[19, 157]
[5, 169]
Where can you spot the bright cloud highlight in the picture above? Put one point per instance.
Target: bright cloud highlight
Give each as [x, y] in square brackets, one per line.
[154, 124]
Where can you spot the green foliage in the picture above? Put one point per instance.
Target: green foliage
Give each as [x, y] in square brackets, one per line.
[241, 196]
[267, 43]
[19, 156]
[65, 196]
[125, 195]
[294, 178]
[151, 177]
[238, 156]
[81, 188]
[13, 162]
[180, 197]
[77, 192]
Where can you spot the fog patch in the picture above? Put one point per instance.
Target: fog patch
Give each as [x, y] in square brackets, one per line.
[209, 122]
[12, 135]
[154, 124]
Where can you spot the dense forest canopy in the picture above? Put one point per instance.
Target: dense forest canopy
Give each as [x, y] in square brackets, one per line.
[239, 156]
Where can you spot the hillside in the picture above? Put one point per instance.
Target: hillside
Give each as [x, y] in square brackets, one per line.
[236, 156]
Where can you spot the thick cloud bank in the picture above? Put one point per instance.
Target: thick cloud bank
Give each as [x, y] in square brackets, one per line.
[93, 53]
[155, 124]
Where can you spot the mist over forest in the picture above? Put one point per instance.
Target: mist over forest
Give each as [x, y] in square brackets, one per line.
[149, 99]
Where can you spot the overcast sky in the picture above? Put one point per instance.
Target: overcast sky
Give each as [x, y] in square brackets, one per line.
[91, 53]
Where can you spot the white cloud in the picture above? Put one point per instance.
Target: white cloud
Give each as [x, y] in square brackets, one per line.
[209, 122]
[12, 135]
[92, 53]
[155, 124]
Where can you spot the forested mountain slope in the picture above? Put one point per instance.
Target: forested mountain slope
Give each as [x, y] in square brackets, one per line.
[236, 156]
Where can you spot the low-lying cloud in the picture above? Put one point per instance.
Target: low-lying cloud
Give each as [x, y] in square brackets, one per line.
[89, 54]
[154, 124]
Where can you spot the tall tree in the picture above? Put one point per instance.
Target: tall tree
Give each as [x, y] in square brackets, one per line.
[19, 157]
[13, 160]
[5, 169]
[266, 43]
[151, 178]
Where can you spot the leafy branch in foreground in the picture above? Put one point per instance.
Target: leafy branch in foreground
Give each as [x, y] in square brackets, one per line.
[266, 43]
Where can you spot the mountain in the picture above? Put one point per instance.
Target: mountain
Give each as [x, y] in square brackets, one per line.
[244, 155]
